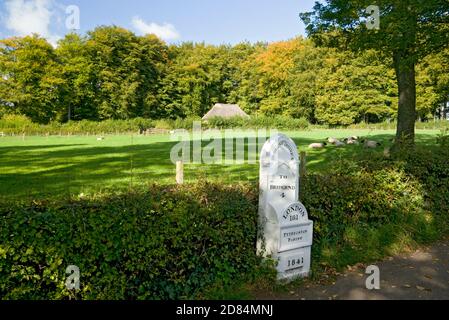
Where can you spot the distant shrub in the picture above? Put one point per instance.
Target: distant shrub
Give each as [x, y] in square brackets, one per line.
[392, 125]
[170, 124]
[165, 124]
[186, 123]
[258, 122]
[434, 125]
[17, 125]
[443, 138]
[226, 123]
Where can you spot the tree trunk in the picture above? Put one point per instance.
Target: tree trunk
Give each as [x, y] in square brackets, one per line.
[69, 113]
[405, 73]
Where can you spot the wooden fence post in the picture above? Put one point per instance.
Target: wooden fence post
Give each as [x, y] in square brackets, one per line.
[302, 174]
[179, 172]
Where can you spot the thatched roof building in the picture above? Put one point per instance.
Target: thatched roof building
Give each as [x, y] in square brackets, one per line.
[225, 111]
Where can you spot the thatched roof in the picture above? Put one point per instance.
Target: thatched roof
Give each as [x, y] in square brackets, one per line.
[225, 111]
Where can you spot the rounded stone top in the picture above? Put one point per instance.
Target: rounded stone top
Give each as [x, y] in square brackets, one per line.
[277, 150]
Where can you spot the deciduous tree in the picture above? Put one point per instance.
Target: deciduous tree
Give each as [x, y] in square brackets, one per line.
[409, 31]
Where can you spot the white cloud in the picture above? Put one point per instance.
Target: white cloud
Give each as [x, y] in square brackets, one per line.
[166, 31]
[25, 17]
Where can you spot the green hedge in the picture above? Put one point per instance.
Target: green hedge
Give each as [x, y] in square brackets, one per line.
[392, 125]
[179, 242]
[374, 206]
[163, 243]
[255, 122]
[258, 122]
[373, 192]
[18, 125]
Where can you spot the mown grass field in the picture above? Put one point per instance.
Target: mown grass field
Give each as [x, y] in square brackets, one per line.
[40, 167]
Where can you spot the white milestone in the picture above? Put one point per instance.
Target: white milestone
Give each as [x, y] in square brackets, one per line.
[286, 233]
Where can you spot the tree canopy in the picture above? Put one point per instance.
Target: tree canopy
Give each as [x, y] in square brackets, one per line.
[110, 73]
[407, 31]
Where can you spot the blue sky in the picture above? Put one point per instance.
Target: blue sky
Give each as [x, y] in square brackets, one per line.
[211, 21]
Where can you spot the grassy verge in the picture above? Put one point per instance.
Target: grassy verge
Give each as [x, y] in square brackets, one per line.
[45, 167]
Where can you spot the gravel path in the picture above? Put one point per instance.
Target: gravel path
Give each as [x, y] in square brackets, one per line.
[423, 275]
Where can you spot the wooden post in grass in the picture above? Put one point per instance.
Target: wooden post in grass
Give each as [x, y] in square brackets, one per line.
[179, 172]
[302, 174]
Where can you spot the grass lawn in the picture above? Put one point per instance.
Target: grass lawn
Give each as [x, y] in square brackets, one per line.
[54, 166]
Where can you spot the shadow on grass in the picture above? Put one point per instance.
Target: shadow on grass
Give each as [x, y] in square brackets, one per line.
[28, 171]
[53, 171]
